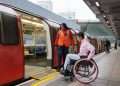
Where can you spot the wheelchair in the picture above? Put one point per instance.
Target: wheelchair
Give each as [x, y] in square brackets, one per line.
[82, 70]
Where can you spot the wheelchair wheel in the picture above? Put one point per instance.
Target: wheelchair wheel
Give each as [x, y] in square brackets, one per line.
[83, 73]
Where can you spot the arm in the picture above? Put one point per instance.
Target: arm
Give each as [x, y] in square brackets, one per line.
[91, 48]
[71, 38]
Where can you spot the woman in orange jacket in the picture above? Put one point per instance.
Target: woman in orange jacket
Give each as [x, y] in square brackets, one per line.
[63, 41]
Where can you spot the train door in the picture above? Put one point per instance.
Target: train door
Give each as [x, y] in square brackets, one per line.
[37, 44]
[11, 47]
[54, 27]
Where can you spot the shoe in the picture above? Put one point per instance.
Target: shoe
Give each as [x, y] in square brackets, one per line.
[66, 78]
[66, 73]
[62, 71]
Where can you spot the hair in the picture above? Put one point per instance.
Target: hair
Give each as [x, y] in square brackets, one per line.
[64, 25]
[81, 34]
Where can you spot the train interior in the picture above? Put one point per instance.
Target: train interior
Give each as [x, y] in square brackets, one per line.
[35, 46]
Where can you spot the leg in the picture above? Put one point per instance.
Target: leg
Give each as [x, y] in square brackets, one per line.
[69, 57]
[65, 52]
[59, 57]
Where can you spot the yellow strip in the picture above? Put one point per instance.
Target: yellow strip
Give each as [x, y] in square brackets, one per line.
[45, 79]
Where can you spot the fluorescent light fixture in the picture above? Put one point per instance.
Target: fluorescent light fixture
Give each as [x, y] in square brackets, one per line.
[97, 4]
[31, 22]
[104, 16]
[107, 22]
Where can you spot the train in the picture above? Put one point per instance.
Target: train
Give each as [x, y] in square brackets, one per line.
[11, 46]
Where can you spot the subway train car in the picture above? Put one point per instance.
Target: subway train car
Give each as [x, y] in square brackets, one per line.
[14, 32]
[99, 45]
[11, 46]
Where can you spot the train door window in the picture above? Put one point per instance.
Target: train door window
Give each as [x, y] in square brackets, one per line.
[0, 27]
[9, 30]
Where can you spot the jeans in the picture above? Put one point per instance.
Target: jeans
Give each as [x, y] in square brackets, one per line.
[69, 57]
[62, 52]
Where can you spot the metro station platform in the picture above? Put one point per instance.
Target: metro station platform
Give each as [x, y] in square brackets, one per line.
[109, 73]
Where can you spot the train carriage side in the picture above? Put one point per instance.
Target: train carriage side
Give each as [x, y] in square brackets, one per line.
[11, 46]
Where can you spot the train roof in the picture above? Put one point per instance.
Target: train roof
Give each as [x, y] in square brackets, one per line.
[33, 9]
[7, 10]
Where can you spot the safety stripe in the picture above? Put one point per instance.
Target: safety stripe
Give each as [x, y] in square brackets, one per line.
[45, 79]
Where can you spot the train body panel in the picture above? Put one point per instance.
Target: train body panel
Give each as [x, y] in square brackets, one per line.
[11, 47]
[11, 65]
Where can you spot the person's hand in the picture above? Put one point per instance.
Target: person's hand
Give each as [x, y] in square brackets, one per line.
[88, 59]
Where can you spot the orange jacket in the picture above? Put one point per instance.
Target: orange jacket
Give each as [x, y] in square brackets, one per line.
[60, 38]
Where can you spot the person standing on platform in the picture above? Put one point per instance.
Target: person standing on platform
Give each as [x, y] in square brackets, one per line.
[62, 42]
[107, 46]
[115, 46]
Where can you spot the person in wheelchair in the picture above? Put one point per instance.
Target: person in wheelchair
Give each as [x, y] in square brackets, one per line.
[86, 50]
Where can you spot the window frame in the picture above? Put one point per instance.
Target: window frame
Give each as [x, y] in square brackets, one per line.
[3, 41]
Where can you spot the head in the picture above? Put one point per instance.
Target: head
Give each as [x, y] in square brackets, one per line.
[81, 35]
[63, 26]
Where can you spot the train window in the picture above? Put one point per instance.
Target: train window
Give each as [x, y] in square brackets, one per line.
[9, 30]
[0, 27]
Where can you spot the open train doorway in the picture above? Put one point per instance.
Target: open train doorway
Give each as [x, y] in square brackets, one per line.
[35, 37]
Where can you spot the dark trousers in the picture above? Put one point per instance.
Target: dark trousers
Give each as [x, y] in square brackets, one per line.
[62, 52]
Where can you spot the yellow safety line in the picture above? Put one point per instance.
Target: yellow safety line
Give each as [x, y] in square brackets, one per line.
[45, 79]
[53, 71]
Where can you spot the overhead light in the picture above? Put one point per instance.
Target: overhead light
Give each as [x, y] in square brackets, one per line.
[104, 16]
[31, 22]
[35, 19]
[97, 4]
[107, 22]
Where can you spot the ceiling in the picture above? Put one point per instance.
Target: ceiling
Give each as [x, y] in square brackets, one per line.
[96, 29]
[108, 11]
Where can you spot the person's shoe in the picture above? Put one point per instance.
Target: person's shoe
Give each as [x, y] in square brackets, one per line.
[66, 73]
[62, 71]
[67, 77]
